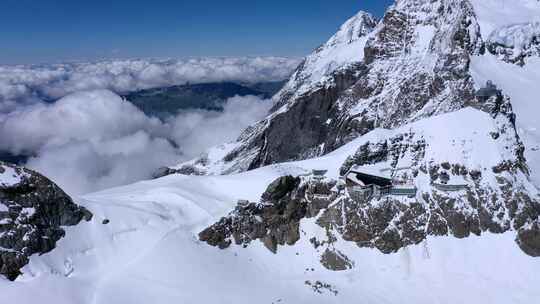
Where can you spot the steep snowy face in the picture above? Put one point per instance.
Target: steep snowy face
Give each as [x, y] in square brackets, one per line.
[415, 65]
[346, 47]
[514, 43]
[495, 14]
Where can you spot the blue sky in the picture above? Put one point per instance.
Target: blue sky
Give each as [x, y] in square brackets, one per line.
[34, 31]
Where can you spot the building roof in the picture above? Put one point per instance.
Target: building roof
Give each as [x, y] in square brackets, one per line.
[369, 179]
[373, 170]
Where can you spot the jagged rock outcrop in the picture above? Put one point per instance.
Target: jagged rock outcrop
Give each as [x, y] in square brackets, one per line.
[342, 50]
[529, 239]
[333, 259]
[32, 212]
[387, 223]
[275, 220]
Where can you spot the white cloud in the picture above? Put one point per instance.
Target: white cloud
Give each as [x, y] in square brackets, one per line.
[21, 85]
[92, 140]
[86, 115]
[86, 166]
[199, 130]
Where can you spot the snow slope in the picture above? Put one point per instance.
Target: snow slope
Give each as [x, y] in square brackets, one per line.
[520, 83]
[149, 251]
[494, 14]
[346, 47]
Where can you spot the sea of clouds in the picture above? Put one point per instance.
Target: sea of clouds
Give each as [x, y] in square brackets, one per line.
[85, 137]
[25, 84]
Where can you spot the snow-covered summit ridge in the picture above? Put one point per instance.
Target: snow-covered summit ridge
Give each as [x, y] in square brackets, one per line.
[343, 48]
[352, 30]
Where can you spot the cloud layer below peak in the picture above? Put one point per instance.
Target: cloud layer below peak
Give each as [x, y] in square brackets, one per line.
[79, 132]
[93, 140]
[26, 84]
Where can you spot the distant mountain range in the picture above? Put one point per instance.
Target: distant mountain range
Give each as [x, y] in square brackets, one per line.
[162, 102]
[167, 101]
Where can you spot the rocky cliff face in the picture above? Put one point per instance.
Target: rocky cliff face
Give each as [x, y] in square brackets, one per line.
[302, 108]
[413, 64]
[32, 212]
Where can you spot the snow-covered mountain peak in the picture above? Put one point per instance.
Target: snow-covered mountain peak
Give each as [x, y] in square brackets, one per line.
[412, 65]
[352, 30]
[342, 49]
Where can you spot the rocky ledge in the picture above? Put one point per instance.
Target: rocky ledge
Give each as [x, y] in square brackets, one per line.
[387, 224]
[32, 212]
[479, 184]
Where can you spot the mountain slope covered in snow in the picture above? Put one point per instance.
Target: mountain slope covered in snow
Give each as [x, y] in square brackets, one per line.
[252, 222]
[149, 251]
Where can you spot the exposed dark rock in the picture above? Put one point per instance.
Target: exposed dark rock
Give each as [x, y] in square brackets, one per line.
[32, 212]
[279, 188]
[184, 170]
[333, 259]
[529, 240]
[321, 287]
[276, 219]
[299, 132]
[163, 171]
